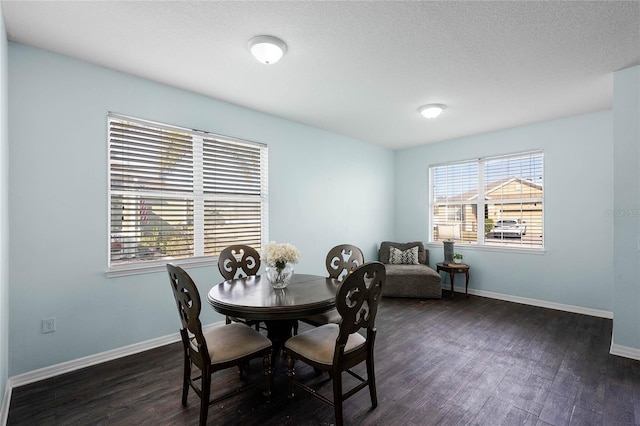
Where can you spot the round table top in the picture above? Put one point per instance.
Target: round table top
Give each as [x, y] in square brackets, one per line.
[254, 298]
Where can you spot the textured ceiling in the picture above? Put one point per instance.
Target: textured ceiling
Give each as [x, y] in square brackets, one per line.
[360, 69]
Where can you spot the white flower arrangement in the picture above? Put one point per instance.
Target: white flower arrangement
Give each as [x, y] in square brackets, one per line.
[278, 255]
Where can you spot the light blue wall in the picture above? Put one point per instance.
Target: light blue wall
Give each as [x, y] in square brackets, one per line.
[324, 190]
[626, 323]
[4, 212]
[576, 268]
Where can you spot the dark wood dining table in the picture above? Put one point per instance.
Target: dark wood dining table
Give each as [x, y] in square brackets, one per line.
[254, 298]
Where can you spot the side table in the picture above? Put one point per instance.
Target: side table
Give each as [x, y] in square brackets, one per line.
[453, 269]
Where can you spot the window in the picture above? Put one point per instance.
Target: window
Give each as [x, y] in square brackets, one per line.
[493, 201]
[177, 193]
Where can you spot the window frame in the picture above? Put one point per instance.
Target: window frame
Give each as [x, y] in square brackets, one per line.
[199, 140]
[481, 204]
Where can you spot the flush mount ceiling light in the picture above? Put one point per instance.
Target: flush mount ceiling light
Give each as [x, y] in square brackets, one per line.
[431, 110]
[267, 49]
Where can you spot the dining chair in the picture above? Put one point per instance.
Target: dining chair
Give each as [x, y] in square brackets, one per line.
[216, 348]
[238, 261]
[336, 348]
[340, 262]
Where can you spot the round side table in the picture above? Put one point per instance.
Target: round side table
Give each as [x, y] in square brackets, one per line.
[453, 269]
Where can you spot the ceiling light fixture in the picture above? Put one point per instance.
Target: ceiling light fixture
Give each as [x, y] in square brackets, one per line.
[431, 110]
[267, 49]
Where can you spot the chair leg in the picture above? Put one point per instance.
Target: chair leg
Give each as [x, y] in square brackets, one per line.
[295, 328]
[241, 368]
[371, 378]
[290, 374]
[204, 397]
[266, 365]
[185, 379]
[337, 397]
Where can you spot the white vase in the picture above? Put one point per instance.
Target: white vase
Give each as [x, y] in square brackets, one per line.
[279, 277]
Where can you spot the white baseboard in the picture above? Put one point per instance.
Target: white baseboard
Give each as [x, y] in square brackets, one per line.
[88, 361]
[625, 351]
[535, 302]
[76, 364]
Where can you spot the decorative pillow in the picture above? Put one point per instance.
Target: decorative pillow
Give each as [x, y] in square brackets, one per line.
[383, 251]
[406, 257]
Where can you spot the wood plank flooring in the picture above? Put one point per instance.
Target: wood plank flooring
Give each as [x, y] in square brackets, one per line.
[438, 362]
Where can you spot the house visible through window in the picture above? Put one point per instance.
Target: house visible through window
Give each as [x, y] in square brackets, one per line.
[177, 193]
[492, 201]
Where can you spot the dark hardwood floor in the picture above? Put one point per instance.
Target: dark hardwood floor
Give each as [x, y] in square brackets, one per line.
[438, 362]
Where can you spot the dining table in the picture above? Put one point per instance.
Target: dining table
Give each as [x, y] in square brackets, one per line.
[254, 298]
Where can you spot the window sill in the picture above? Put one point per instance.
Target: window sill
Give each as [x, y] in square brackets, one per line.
[158, 266]
[494, 248]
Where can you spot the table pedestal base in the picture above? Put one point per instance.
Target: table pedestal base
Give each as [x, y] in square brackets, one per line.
[279, 332]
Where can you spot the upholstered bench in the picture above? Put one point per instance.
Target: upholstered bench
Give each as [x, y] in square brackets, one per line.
[413, 278]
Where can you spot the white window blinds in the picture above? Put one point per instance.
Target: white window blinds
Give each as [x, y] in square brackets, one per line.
[491, 201]
[177, 193]
[455, 197]
[513, 200]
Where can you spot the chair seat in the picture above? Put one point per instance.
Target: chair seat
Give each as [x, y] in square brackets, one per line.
[331, 317]
[318, 344]
[227, 342]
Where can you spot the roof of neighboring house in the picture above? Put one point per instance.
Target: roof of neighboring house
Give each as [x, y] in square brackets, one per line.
[489, 188]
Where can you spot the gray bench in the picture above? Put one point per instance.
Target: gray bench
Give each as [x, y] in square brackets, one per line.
[418, 281]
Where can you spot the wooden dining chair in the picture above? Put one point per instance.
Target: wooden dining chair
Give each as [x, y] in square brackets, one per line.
[238, 261]
[336, 348]
[340, 262]
[218, 347]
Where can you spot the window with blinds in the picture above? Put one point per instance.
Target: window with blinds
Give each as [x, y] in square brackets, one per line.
[177, 193]
[455, 200]
[492, 201]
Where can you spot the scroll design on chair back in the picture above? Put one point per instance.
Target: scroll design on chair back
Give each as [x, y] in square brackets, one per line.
[238, 261]
[358, 297]
[187, 299]
[343, 259]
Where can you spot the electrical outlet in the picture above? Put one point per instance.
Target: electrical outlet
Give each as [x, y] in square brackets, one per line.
[48, 325]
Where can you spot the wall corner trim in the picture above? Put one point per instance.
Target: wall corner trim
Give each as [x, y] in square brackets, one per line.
[625, 351]
[6, 400]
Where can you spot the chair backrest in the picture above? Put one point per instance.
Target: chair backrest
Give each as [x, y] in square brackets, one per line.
[358, 297]
[238, 261]
[188, 302]
[343, 259]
